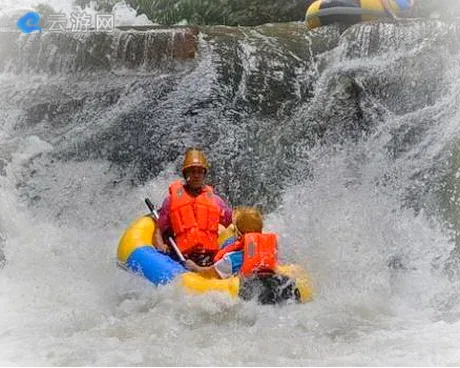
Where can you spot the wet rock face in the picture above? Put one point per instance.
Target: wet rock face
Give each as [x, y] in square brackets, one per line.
[256, 98]
[57, 53]
[139, 98]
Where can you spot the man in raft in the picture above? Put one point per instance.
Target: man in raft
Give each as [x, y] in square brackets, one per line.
[192, 213]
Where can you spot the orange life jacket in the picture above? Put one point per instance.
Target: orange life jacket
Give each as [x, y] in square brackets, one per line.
[194, 220]
[259, 253]
[236, 246]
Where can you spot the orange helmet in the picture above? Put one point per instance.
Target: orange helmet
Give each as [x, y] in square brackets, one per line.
[248, 220]
[195, 158]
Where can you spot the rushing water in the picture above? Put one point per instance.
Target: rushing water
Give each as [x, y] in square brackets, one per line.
[345, 150]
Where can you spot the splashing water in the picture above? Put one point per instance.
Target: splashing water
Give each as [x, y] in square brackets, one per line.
[357, 207]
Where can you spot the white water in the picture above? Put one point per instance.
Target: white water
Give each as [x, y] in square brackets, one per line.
[64, 303]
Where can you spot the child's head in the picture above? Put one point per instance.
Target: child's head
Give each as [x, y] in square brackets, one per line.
[248, 220]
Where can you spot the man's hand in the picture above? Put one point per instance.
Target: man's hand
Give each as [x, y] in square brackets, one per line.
[162, 247]
[157, 241]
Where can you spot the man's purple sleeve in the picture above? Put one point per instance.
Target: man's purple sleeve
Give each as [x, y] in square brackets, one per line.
[225, 211]
[163, 220]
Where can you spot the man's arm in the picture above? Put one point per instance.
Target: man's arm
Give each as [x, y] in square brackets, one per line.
[162, 225]
[225, 212]
[228, 266]
[207, 272]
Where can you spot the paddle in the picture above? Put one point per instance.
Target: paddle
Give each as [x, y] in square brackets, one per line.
[171, 240]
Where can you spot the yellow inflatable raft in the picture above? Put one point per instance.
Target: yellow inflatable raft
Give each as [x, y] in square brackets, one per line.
[137, 254]
[323, 12]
